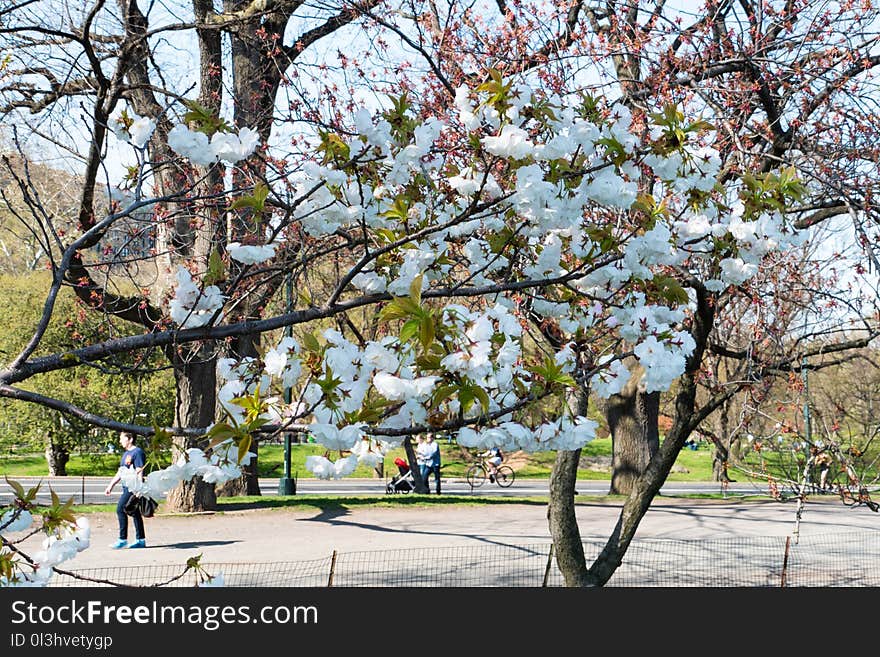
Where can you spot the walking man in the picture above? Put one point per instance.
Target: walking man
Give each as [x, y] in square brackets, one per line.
[133, 457]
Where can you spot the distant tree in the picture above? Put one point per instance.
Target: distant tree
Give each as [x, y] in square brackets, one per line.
[123, 388]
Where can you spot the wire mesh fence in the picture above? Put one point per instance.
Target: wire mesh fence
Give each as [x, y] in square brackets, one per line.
[812, 561]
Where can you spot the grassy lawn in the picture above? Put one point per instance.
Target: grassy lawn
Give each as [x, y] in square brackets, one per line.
[326, 503]
[343, 502]
[455, 462]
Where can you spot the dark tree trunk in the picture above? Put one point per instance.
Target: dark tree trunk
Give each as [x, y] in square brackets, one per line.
[735, 448]
[421, 486]
[191, 235]
[632, 418]
[720, 463]
[563, 520]
[686, 420]
[196, 399]
[57, 457]
[721, 457]
[561, 510]
[255, 80]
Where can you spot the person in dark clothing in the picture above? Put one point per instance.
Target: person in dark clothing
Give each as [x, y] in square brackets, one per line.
[133, 457]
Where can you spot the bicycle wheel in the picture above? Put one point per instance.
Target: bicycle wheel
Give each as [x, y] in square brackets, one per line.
[476, 476]
[505, 476]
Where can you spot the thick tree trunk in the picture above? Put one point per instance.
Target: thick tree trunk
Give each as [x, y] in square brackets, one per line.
[563, 520]
[735, 448]
[196, 399]
[561, 510]
[189, 236]
[632, 420]
[255, 80]
[57, 457]
[421, 486]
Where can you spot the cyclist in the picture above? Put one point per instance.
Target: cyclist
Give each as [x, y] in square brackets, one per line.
[493, 457]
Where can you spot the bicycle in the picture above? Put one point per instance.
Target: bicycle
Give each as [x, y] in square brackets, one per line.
[479, 472]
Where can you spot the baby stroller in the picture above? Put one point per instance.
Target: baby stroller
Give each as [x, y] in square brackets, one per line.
[403, 481]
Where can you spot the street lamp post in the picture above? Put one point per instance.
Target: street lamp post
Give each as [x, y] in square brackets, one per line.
[287, 485]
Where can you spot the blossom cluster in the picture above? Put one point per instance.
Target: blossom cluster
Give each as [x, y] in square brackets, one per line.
[61, 544]
[220, 466]
[192, 307]
[538, 194]
[221, 146]
[136, 130]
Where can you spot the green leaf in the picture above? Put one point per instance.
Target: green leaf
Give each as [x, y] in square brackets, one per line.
[415, 290]
[466, 398]
[256, 201]
[552, 373]
[670, 289]
[17, 487]
[216, 269]
[7, 563]
[335, 150]
[261, 193]
[614, 150]
[244, 445]
[32, 492]
[426, 330]
[428, 361]
[483, 398]
[399, 209]
[204, 119]
[497, 241]
[387, 235]
[256, 423]
[442, 393]
[400, 308]
[310, 342]
[409, 329]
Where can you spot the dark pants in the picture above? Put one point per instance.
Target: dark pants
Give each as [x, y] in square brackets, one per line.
[426, 470]
[122, 517]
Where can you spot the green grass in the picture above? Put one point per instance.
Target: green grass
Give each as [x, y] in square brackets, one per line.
[34, 465]
[455, 463]
[330, 503]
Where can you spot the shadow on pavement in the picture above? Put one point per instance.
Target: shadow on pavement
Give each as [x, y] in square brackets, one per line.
[189, 545]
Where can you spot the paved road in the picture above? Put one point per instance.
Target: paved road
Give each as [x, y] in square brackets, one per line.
[90, 490]
[749, 538]
[284, 535]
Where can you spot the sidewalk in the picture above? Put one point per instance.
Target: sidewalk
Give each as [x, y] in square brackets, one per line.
[286, 535]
